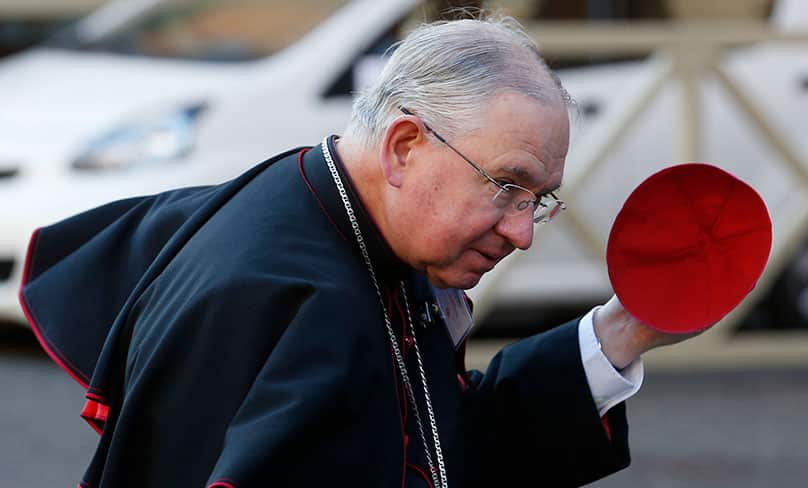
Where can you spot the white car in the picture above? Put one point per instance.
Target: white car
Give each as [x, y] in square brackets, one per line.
[143, 95]
[146, 95]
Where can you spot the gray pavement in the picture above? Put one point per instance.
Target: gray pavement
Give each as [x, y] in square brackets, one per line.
[740, 429]
[707, 430]
[43, 441]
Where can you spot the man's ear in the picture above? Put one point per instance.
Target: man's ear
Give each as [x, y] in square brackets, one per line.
[396, 154]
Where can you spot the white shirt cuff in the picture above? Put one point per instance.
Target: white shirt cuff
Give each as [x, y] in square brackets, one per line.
[608, 385]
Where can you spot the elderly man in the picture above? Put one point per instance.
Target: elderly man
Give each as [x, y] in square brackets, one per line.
[302, 325]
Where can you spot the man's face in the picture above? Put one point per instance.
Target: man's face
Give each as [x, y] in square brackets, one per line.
[447, 225]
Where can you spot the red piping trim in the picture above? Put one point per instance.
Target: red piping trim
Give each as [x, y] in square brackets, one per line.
[95, 414]
[98, 398]
[401, 399]
[95, 410]
[422, 473]
[223, 483]
[43, 340]
[462, 372]
[404, 337]
[605, 421]
[406, 341]
[463, 385]
[314, 194]
[393, 297]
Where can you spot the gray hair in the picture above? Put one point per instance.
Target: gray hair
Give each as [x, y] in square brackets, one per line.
[446, 72]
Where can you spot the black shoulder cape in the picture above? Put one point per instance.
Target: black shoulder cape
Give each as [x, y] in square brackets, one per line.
[230, 336]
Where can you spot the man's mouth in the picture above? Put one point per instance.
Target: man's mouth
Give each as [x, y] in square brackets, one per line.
[492, 259]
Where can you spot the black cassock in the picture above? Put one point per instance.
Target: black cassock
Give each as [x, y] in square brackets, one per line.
[231, 336]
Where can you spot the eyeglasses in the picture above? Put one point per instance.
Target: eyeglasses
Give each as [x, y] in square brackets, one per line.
[512, 198]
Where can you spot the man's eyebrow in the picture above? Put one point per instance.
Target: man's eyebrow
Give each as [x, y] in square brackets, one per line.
[527, 178]
[519, 172]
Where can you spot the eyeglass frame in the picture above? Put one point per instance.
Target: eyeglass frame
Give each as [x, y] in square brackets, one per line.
[561, 205]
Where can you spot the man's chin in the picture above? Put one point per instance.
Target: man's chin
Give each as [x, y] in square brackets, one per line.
[462, 280]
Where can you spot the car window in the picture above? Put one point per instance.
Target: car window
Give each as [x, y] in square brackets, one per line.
[215, 30]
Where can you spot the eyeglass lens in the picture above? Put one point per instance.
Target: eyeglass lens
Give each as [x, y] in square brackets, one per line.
[514, 199]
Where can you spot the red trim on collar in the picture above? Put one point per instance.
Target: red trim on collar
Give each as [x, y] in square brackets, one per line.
[314, 194]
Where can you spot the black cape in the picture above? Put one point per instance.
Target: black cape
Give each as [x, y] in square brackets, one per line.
[230, 336]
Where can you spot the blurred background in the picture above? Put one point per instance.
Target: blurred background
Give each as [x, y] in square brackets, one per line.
[104, 100]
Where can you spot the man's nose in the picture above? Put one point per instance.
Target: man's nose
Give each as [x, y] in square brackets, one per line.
[517, 229]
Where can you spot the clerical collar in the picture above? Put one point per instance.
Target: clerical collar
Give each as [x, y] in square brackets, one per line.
[315, 170]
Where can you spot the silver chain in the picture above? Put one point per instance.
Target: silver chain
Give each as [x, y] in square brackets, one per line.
[433, 423]
[437, 482]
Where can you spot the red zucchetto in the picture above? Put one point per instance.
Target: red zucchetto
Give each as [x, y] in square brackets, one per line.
[688, 245]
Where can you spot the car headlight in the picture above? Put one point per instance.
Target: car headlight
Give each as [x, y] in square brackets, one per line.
[154, 139]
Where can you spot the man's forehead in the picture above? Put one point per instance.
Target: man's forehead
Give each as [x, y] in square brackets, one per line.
[531, 137]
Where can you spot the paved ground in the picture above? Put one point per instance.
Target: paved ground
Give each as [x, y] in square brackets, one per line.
[732, 429]
[43, 442]
[710, 430]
